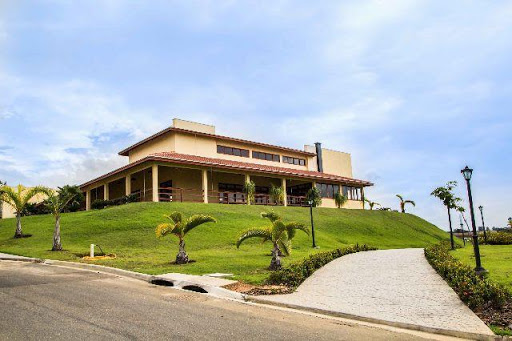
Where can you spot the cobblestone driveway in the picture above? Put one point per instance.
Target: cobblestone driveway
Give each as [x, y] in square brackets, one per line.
[391, 285]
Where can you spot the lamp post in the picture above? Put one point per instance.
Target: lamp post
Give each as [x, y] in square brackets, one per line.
[310, 202]
[462, 228]
[481, 208]
[467, 172]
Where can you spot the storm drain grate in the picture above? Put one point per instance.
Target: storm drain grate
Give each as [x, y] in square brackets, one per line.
[195, 288]
[162, 282]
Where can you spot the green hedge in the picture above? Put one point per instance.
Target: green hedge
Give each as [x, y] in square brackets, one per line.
[100, 204]
[475, 291]
[496, 238]
[294, 274]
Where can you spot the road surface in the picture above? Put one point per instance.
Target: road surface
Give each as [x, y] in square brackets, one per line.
[40, 301]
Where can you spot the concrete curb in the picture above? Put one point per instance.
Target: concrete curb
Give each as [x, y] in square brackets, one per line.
[432, 330]
[176, 283]
[22, 259]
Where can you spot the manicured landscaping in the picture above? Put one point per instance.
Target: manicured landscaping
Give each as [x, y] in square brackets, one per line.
[490, 300]
[129, 232]
[495, 258]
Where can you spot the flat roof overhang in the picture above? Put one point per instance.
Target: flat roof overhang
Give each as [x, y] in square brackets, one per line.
[222, 164]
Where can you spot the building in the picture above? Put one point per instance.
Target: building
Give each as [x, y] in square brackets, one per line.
[189, 162]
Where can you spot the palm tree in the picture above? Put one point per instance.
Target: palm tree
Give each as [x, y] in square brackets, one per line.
[445, 194]
[372, 204]
[280, 234]
[276, 194]
[314, 196]
[339, 199]
[18, 199]
[57, 203]
[404, 202]
[250, 189]
[180, 228]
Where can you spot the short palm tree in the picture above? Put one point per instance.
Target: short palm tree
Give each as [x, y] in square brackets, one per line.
[445, 194]
[340, 199]
[314, 196]
[18, 199]
[280, 234]
[371, 204]
[404, 202]
[250, 190]
[180, 228]
[56, 203]
[276, 194]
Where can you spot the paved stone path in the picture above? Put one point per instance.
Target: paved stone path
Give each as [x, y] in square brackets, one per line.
[391, 285]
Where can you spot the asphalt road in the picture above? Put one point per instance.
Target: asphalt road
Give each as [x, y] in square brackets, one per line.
[40, 301]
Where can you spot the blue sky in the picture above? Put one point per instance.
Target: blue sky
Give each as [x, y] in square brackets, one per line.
[413, 89]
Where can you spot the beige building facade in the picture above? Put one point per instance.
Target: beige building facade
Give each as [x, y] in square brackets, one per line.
[189, 162]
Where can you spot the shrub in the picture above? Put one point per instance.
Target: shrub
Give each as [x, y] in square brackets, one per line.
[477, 292]
[100, 204]
[496, 238]
[294, 274]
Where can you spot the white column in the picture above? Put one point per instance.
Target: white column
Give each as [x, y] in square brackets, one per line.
[205, 185]
[105, 191]
[155, 184]
[285, 197]
[128, 184]
[88, 200]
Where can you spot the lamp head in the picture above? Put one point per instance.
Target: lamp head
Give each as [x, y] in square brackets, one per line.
[467, 172]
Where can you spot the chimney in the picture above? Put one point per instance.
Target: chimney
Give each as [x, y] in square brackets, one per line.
[319, 160]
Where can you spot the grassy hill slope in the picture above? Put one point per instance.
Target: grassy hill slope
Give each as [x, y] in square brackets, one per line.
[128, 231]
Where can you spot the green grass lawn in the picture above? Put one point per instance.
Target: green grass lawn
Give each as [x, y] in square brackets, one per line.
[128, 231]
[495, 258]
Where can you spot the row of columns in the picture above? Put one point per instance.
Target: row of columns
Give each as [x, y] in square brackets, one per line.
[155, 187]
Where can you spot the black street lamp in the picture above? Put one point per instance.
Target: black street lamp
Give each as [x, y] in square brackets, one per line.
[481, 208]
[462, 228]
[310, 202]
[467, 172]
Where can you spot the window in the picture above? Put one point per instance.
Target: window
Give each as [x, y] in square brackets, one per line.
[352, 193]
[294, 161]
[265, 156]
[327, 190]
[232, 151]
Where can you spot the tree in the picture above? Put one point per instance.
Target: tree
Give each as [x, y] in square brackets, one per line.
[372, 204]
[279, 233]
[340, 199]
[250, 190]
[445, 194]
[1, 191]
[276, 194]
[77, 198]
[58, 202]
[314, 196]
[404, 202]
[510, 222]
[18, 199]
[180, 228]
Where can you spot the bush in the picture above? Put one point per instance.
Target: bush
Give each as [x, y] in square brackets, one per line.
[294, 274]
[477, 292]
[100, 204]
[496, 238]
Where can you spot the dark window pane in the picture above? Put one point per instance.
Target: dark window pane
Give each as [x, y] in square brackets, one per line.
[295, 161]
[245, 153]
[276, 158]
[236, 151]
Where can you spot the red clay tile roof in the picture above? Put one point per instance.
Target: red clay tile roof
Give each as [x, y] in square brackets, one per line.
[125, 152]
[186, 159]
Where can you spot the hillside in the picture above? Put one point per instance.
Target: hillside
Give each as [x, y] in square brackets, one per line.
[128, 231]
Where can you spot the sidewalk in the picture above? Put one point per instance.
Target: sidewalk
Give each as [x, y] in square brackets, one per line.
[396, 287]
